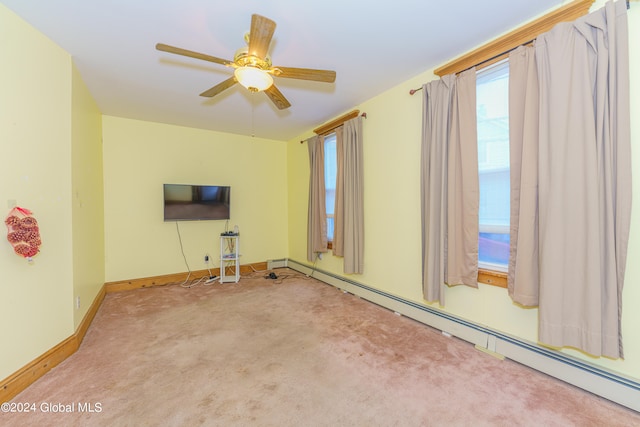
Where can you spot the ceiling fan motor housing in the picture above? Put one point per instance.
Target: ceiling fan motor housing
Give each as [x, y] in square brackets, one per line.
[242, 58]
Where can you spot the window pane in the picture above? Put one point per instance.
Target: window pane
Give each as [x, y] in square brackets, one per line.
[493, 165]
[330, 168]
[330, 228]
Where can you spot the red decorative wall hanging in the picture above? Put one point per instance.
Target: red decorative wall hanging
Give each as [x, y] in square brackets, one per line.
[23, 232]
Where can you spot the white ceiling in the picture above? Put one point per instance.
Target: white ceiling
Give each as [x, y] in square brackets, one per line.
[372, 46]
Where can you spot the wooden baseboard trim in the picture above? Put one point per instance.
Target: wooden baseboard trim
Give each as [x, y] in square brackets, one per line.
[83, 327]
[20, 380]
[28, 374]
[147, 282]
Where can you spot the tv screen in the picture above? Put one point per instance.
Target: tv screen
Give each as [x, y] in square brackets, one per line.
[184, 202]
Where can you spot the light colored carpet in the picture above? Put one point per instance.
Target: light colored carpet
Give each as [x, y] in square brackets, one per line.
[290, 352]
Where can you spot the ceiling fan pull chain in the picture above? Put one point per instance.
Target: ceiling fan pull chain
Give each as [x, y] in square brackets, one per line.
[253, 107]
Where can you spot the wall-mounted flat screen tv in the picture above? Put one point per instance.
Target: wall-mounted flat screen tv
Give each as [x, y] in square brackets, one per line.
[183, 202]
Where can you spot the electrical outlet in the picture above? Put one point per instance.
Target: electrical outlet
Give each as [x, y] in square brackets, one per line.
[206, 259]
[77, 303]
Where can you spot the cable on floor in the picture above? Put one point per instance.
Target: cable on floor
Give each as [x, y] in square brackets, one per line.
[313, 269]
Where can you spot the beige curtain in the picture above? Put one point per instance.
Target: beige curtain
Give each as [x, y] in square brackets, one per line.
[523, 276]
[352, 216]
[338, 213]
[584, 180]
[317, 213]
[436, 118]
[463, 186]
[449, 185]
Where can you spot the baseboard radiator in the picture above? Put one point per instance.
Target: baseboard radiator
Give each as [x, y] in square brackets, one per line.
[597, 380]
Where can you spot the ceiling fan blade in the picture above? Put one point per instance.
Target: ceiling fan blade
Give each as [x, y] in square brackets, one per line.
[192, 54]
[306, 74]
[277, 98]
[220, 87]
[260, 35]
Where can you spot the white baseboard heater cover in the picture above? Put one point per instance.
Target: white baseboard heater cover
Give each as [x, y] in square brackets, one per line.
[276, 263]
[610, 385]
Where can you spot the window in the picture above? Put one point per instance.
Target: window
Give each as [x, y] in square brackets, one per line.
[491, 52]
[330, 173]
[492, 99]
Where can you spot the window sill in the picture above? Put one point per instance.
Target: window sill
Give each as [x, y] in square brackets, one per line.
[493, 278]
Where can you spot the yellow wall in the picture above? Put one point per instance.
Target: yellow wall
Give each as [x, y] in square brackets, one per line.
[141, 156]
[86, 198]
[35, 134]
[50, 132]
[392, 217]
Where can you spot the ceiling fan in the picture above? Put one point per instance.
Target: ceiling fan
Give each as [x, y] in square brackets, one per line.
[252, 65]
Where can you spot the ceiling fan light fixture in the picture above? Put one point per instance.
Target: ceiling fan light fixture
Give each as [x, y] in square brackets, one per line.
[254, 79]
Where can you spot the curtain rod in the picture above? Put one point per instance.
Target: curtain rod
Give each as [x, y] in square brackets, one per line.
[486, 62]
[494, 58]
[336, 123]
